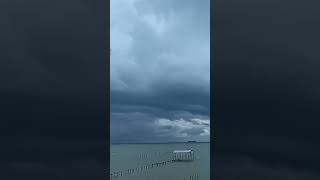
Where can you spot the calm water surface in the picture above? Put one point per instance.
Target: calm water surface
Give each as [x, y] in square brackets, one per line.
[129, 156]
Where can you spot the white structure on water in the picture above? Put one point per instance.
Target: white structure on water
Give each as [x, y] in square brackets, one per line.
[183, 155]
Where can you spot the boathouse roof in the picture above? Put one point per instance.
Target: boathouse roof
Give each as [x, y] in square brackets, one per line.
[182, 151]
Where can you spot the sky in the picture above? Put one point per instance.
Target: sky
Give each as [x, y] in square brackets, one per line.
[159, 70]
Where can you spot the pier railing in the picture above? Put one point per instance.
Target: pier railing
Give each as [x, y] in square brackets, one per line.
[130, 171]
[176, 156]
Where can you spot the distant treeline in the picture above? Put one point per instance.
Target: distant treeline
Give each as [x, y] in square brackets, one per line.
[160, 142]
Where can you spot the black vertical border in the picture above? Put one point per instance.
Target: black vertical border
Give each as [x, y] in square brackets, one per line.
[107, 64]
[103, 48]
[216, 79]
[107, 54]
[212, 89]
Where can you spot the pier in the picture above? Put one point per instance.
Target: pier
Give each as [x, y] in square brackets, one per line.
[130, 171]
[177, 156]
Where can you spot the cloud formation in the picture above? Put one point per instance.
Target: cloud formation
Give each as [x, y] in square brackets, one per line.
[159, 66]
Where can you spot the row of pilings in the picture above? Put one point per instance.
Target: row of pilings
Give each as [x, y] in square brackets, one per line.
[144, 156]
[130, 171]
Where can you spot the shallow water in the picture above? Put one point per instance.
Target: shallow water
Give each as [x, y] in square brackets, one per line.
[139, 157]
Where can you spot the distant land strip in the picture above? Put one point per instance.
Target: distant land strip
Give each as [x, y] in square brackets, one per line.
[159, 142]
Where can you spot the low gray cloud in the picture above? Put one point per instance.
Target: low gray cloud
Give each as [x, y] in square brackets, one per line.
[158, 125]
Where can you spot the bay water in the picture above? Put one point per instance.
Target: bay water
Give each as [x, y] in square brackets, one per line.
[134, 162]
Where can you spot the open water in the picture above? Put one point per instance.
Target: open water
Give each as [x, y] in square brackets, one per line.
[153, 162]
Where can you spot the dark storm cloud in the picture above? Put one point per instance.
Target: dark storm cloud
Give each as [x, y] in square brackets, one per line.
[52, 89]
[170, 97]
[154, 125]
[159, 67]
[266, 80]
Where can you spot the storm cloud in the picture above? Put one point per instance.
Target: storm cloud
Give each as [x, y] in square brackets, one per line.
[160, 70]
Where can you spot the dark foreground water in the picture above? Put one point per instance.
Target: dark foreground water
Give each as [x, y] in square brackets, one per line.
[134, 162]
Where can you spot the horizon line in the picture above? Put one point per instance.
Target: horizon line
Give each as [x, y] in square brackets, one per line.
[159, 142]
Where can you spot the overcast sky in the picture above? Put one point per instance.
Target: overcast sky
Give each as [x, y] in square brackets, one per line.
[160, 70]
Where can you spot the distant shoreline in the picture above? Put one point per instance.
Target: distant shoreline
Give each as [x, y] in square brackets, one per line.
[163, 143]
